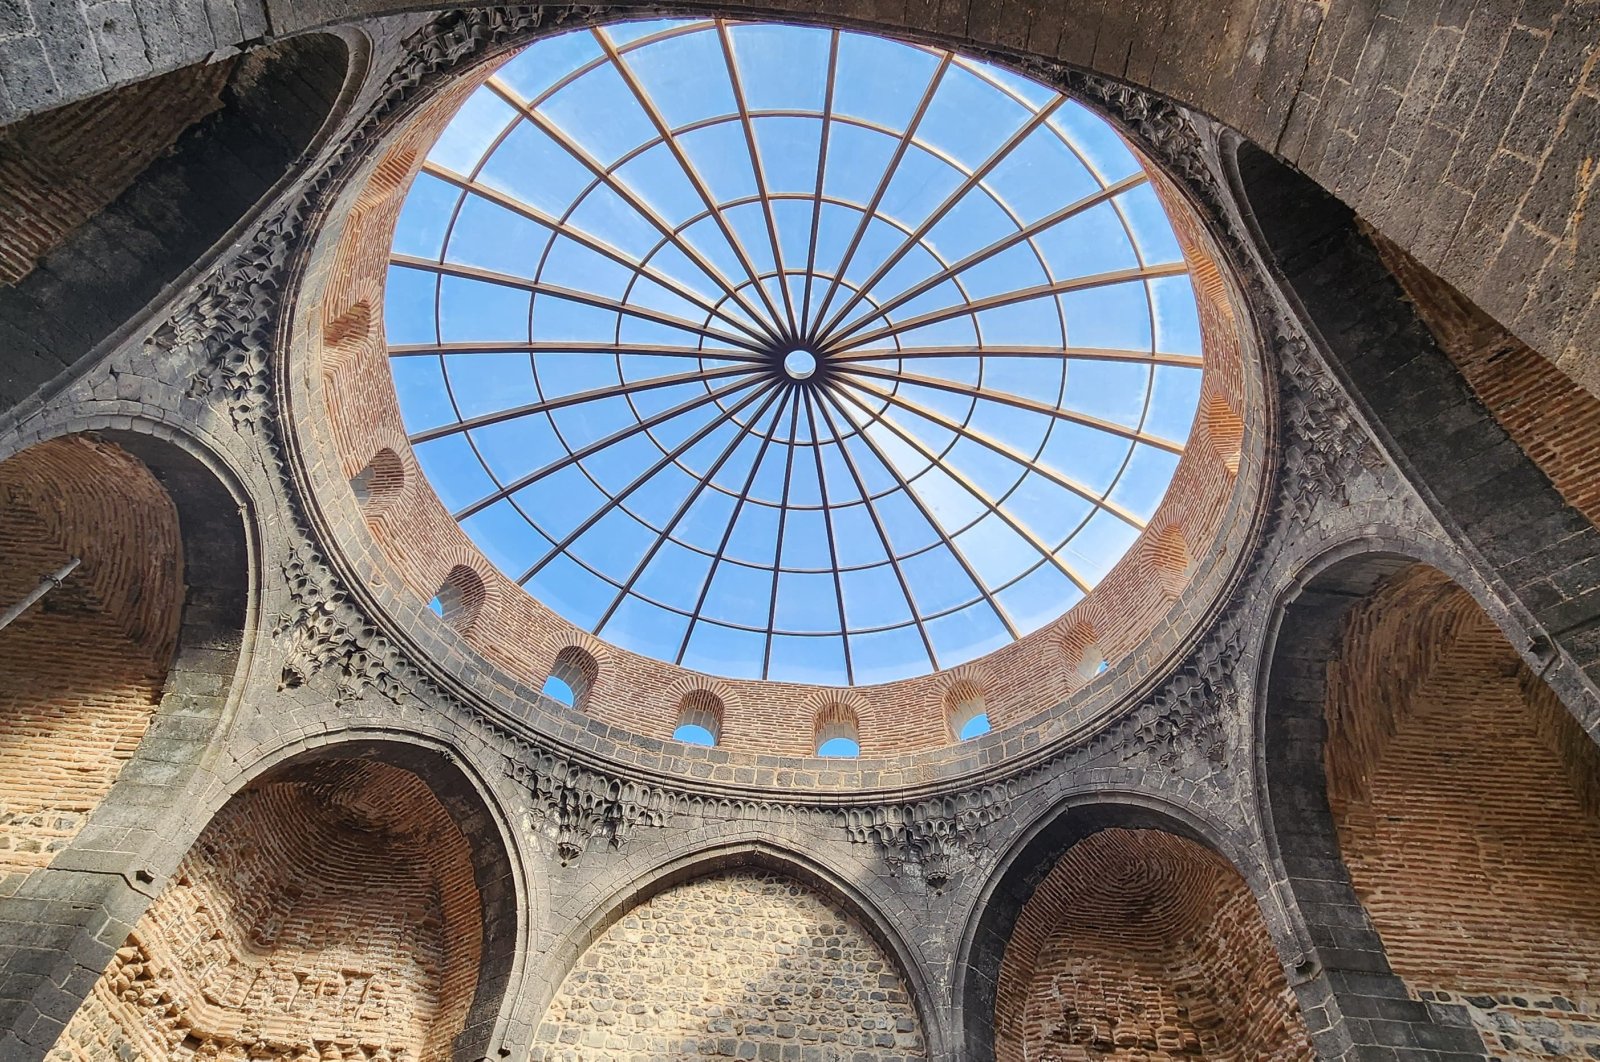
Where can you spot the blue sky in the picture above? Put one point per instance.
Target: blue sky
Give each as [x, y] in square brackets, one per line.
[614, 242]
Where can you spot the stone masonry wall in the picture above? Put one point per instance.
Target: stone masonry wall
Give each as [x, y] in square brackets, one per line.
[81, 671]
[1143, 945]
[748, 965]
[334, 916]
[1465, 799]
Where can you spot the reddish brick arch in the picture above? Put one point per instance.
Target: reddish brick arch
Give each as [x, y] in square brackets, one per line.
[375, 871]
[1025, 913]
[1466, 803]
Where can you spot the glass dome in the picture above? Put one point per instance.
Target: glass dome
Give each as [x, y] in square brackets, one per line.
[790, 353]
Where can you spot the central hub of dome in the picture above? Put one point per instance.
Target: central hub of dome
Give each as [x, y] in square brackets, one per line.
[799, 364]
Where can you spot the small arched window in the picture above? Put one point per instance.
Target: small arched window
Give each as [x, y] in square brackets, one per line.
[699, 718]
[1085, 658]
[460, 597]
[572, 677]
[380, 482]
[966, 710]
[838, 732]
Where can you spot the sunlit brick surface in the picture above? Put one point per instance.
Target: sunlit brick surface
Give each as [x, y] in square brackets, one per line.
[1468, 809]
[332, 915]
[1143, 945]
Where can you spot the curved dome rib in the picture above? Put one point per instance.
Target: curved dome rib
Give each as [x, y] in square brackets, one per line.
[785, 353]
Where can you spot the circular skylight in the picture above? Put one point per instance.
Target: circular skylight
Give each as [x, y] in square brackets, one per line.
[788, 353]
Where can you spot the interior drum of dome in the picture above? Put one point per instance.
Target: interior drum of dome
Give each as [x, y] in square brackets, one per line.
[788, 353]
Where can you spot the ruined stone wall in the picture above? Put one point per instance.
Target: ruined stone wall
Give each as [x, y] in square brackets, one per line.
[1465, 801]
[332, 916]
[1143, 945]
[81, 671]
[745, 965]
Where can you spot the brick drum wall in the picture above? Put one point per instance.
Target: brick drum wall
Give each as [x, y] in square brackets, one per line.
[1467, 803]
[331, 916]
[748, 965]
[1143, 945]
[81, 671]
[1190, 536]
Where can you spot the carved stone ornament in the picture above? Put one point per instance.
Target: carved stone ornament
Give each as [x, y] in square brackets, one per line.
[324, 631]
[936, 838]
[1189, 712]
[573, 807]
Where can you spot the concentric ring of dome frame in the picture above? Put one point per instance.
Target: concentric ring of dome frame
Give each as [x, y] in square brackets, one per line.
[790, 353]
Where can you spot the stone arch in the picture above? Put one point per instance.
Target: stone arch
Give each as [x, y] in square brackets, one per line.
[1023, 870]
[1140, 943]
[160, 614]
[1382, 674]
[1486, 490]
[358, 898]
[105, 222]
[884, 998]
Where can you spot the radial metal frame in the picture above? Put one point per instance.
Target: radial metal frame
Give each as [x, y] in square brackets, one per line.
[743, 339]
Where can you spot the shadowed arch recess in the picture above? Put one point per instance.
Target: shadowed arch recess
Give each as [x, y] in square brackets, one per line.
[357, 900]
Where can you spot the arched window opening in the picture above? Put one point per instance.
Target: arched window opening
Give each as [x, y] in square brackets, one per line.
[572, 677]
[1083, 655]
[380, 482]
[838, 731]
[694, 734]
[699, 718]
[965, 710]
[347, 875]
[558, 690]
[1222, 428]
[977, 726]
[460, 597]
[1093, 662]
